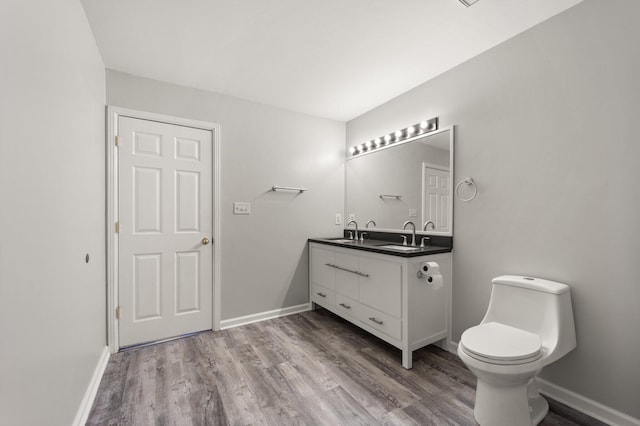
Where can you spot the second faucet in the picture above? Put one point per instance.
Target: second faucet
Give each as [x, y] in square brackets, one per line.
[356, 224]
[404, 226]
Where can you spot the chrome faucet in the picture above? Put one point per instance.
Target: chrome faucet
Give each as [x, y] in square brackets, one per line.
[404, 226]
[371, 221]
[426, 225]
[356, 224]
[422, 244]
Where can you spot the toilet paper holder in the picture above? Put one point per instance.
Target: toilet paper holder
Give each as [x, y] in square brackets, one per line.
[422, 275]
[427, 270]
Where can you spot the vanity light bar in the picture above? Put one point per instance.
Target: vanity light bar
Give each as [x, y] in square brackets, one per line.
[401, 135]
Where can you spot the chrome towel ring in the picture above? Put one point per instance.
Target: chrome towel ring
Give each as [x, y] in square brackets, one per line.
[468, 181]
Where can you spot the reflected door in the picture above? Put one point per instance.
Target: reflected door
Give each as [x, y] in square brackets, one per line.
[165, 258]
[436, 190]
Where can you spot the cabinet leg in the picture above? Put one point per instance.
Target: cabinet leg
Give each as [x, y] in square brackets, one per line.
[407, 361]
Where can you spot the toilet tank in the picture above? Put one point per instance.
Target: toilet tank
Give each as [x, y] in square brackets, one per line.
[536, 305]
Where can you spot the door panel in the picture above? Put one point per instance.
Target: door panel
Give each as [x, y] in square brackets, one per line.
[147, 193]
[187, 149]
[165, 273]
[187, 201]
[146, 286]
[187, 282]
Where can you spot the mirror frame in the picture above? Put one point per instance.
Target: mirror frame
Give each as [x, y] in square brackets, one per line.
[419, 230]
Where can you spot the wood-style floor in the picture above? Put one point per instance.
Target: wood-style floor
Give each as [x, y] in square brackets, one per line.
[311, 368]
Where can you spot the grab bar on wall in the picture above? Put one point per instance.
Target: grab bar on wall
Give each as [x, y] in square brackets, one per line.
[397, 197]
[287, 188]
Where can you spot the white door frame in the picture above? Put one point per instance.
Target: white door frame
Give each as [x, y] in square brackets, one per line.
[113, 113]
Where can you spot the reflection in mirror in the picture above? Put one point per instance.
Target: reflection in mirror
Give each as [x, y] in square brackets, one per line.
[408, 181]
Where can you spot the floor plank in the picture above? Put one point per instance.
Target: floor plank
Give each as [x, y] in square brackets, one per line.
[312, 368]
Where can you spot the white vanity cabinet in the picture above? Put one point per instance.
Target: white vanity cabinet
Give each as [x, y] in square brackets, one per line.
[383, 294]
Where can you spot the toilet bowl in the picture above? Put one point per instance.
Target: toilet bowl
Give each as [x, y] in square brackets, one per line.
[528, 324]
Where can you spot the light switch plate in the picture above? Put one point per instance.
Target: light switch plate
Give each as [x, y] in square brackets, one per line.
[241, 208]
[338, 218]
[352, 216]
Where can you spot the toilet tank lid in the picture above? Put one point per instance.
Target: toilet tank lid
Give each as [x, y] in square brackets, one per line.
[537, 284]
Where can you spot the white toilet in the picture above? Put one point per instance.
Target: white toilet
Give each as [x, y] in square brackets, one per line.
[529, 324]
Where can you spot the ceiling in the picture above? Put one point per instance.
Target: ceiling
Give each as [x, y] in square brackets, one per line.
[328, 58]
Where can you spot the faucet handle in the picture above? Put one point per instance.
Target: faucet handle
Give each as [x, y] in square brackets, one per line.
[424, 238]
[404, 240]
[350, 235]
[362, 234]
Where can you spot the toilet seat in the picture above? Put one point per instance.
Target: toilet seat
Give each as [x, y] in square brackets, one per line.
[497, 343]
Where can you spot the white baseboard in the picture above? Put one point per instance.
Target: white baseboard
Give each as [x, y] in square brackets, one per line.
[578, 402]
[276, 313]
[92, 389]
[585, 405]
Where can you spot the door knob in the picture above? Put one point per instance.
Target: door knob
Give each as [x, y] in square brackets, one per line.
[205, 241]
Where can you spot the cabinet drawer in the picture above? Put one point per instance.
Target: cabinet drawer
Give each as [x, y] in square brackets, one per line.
[380, 321]
[347, 306]
[322, 295]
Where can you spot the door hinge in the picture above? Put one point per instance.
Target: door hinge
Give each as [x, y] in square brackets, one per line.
[117, 227]
[118, 312]
[117, 140]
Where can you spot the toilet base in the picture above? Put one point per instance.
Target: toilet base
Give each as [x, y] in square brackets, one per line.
[500, 404]
[539, 405]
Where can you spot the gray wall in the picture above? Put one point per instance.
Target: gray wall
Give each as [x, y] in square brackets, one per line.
[547, 126]
[264, 256]
[52, 304]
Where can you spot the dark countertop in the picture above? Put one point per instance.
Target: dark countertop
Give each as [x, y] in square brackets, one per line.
[374, 246]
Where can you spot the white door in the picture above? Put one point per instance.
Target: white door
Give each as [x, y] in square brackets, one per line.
[165, 256]
[435, 199]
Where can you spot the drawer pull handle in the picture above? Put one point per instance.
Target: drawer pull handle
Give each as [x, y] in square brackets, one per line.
[362, 274]
[321, 294]
[376, 320]
[345, 306]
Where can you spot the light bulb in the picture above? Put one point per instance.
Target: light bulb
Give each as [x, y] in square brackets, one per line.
[387, 138]
[411, 130]
[424, 125]
[398, 134]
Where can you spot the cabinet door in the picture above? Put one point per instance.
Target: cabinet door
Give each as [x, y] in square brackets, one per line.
[320, 273]
[346, 281]
[382, 289]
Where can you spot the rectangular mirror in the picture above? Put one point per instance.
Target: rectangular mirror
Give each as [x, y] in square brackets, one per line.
[411, 180]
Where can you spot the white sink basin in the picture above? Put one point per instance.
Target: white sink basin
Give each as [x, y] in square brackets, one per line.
[400, 248]
[343, 241]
